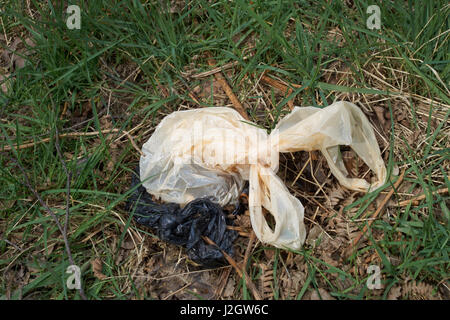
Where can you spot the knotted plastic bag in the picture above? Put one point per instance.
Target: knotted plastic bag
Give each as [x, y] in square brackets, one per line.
[209, 152]
[185, 226]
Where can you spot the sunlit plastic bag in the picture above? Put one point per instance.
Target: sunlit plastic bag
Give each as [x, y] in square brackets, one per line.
[209, 152]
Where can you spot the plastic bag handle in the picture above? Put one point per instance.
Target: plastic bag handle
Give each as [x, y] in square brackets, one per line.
[268, 190]
[364, 144]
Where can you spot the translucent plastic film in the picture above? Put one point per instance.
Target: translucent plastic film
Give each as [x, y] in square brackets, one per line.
[210, 152]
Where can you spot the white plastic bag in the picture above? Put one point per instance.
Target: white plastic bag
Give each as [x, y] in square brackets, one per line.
[210, 152]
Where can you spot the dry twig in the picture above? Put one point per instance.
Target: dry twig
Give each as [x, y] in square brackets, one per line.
[240, 272]
[62, 229]
[222, 282]
[225, 86]
[215, 70]
[249, 248]
[280, 86]
[30, 144]
[377, 212]
[415, 200]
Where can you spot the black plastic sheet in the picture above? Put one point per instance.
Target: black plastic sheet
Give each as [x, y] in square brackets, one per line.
[185, 226]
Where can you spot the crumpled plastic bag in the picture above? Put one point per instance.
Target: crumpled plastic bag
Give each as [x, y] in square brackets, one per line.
[185, 226]
[209, 152]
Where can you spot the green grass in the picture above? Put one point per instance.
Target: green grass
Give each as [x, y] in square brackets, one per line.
[80, 68]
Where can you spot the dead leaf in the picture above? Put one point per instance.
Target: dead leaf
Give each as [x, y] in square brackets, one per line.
[6, 84]
[16, 53]
[19, 63]
[269, 254]
[30, 42]
[97, 266]
[202, 288]
[351, 163]
[8, 55]
[379, 111]
[314, 235]
[415, 290]
[243, 221]
[127, 244]
[7, 204]
[335, 35]
[266, 281]
[395, 293]
[229, 289]
[336, 194]
[324, 295]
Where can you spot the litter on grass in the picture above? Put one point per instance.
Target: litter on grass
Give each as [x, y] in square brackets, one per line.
[209, 153]
[185, 226]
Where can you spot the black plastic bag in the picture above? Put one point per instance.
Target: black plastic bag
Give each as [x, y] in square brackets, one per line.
[185, 226]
